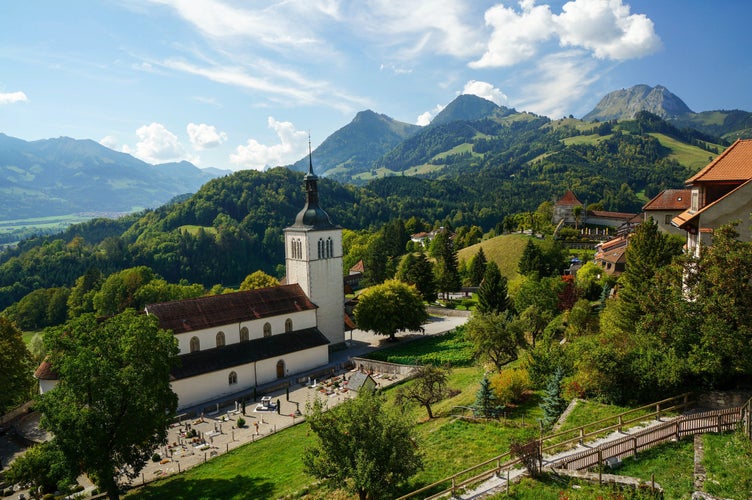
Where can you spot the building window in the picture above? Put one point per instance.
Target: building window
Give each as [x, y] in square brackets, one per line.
[668, 219]
[321, 248]
[232, 379]
[288, 325]
[220, 339]
[195, 344]
[329, 248]
[297, 249]
[244, 336]
[267, 330]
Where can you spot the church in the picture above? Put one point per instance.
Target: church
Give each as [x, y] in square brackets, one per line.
[233, 342]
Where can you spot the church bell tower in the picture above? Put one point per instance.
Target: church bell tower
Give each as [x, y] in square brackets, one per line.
[313, 259]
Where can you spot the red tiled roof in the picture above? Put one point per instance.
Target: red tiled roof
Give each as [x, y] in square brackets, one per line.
[45, 372]
[568, 199]
[734, 164]
[215, 310]
[610, 215]
[358, 268]
[670, 199]
[619, 241]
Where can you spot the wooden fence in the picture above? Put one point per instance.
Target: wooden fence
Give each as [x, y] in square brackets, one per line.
[746, 418]
[496, 465]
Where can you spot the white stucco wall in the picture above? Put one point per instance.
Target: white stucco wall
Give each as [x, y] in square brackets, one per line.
[208, 337]
[203, 388]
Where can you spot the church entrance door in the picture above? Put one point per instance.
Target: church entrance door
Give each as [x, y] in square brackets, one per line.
[281, 368]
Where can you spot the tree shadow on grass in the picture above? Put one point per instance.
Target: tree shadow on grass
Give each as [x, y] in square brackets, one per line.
[237, 488]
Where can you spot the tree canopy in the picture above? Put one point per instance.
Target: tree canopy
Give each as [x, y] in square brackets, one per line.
[428, 386]
[113, 403]
[362, 446]
[15, 376]
[389, 308]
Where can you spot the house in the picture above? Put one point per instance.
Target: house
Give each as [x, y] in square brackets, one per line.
[234, 342]
[665, 206]
[611, 255]
[720, 193]
[569, 211]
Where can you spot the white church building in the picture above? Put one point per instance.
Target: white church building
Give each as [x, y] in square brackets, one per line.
[233, 342]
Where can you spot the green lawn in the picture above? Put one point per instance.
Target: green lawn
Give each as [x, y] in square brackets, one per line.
[728, 465]
[451, 348]
[505, 250]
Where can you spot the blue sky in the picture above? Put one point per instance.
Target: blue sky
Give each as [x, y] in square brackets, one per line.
[239, 84]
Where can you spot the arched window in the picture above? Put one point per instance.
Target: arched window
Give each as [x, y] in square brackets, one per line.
[195, 344]
[321, 248]
[232, 378]
[288, 325]
[244, 336]
[267, 330]
[281, 368]
[220, 339]
[329, 248]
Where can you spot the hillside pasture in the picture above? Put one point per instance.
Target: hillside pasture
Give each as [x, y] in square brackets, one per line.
[504, 250]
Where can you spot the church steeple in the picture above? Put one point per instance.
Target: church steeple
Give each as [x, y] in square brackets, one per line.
[312, 215]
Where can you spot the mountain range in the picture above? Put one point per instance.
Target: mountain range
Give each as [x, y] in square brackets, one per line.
[470, 135]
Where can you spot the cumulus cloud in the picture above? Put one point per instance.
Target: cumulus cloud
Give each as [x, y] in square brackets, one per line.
[109, 141]
[292, 145]
[425, 118]
[205, 136]
[12, 97]
[157, 145]
[606, 28]
[515, 37]
[486, 91]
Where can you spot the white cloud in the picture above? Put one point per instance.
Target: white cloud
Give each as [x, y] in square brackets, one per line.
[515, 37]
[557, 81]
[606, 28]
[205, 136]
[157, 145]
[425, 118]
[292, 145]
[486, 91]
[12, 97]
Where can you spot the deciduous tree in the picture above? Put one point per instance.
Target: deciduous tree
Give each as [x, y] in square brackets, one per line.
[429, 386]
[15, 360]
[496, 337]
[258, 279]
[389, 308]
[113, 404]
[362, 446]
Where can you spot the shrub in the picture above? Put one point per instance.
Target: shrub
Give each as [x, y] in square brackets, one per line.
[240, 422]
[156, 457]
[510, 385]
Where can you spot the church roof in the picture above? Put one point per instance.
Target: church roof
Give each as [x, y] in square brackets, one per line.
[312, 216]
[237, 354]
[216, 310]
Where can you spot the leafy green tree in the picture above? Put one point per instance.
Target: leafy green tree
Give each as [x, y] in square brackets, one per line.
[102, 425]
[389, 308]
[428, 386]
[446, 268]
[553, 403]
[543, 293]
[416, 269]
[534, 321]
[118, 292]
[478, 267]
[15, 377]
[531, 260]
[375, 261]
[81, 299]
[492, 292]
[486, 403]
[580, 319]
[258, 279]
[496, 337]
[44, 467]
[362, 446]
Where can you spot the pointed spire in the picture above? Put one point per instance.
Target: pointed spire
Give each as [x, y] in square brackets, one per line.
[310, 175]
[312, 215]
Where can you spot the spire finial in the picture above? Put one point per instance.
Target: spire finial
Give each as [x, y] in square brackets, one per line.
[310, 156]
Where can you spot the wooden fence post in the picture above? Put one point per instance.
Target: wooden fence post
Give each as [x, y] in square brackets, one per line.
[658, 411]
[453, 485]
[621, 422]
[582, 435]
[600, 468]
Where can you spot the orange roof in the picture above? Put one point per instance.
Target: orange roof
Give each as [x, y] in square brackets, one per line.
[610, 215]
[358, 268]
[734, 164]
[670, 199]
[45, 372]
[689, 214]
[568, 199]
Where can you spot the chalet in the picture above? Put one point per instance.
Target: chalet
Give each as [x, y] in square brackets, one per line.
[665, 206]
[720, 193]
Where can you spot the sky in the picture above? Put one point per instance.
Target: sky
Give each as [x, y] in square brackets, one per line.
[243, 84]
